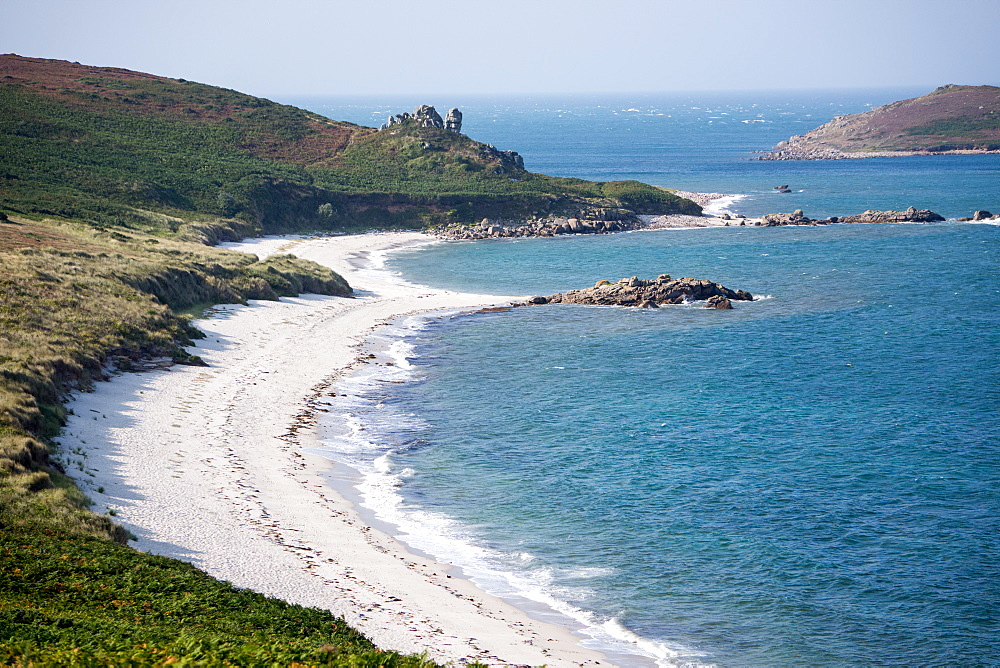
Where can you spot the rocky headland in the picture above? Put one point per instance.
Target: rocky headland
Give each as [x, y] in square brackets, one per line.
[645, 293]
[950, 120]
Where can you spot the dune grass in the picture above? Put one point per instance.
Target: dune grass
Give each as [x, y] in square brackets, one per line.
[77, 303]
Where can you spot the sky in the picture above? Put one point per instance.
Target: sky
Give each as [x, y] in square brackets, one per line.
[355, 47]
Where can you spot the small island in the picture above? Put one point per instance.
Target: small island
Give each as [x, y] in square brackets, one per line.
[950, 120]
[634, 291]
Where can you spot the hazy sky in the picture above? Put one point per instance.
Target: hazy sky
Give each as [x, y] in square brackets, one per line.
[281, 47]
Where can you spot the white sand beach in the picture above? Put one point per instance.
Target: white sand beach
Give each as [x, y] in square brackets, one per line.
[715, 213]
[208, 465]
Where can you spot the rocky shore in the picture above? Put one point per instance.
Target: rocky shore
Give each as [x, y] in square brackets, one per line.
[547, 227]
[609, 221]
[644, 293]
[911, 215]
[550, 227]
[789, 150]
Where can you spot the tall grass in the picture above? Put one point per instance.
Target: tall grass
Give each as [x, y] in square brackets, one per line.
[75, 303]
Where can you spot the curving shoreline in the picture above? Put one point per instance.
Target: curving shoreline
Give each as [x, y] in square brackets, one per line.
[211, 465]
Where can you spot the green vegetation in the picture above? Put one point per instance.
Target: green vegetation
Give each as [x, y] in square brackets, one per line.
[75, 300]
[71, 600]
[118, 148]
[962, 126]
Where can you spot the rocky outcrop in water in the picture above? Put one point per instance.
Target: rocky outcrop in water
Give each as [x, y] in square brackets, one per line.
[911, 215]
[642, 293]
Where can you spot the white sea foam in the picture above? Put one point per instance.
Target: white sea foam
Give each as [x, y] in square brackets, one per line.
[370, 431]
[722, 205]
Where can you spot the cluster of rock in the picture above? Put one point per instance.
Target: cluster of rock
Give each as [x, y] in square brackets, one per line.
[980, 215]
[426, 116]
[788, 150]
[508, 159]
[547, 227]
[911, 215]
[649, 293]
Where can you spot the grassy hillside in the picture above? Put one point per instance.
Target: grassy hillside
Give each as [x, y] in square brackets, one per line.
[121, 148]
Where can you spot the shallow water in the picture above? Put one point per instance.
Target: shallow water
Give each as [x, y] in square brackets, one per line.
[811, 478]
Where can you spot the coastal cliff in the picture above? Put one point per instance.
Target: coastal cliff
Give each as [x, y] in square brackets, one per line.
[952, 119]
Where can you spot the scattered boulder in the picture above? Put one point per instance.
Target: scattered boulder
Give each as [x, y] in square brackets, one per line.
[545, 227]
[982, 215]
[777, 219]
[634, 291]
[719, 302]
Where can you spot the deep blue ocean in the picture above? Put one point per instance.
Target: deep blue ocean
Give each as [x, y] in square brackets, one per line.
[812, 478]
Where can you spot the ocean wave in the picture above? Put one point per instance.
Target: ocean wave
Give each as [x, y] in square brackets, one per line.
[721, 205]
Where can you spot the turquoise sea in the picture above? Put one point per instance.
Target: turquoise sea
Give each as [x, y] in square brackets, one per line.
[812, 478]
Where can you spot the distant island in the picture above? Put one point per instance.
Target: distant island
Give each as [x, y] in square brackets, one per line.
[950, 120]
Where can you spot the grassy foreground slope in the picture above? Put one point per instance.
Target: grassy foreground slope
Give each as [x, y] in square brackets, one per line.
[71, 600]
[116, 147]
[76, 302]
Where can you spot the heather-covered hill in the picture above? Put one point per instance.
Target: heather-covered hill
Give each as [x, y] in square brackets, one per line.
[949, 119]
[116, 147]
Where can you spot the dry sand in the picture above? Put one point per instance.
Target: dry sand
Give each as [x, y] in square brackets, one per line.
[207, 464]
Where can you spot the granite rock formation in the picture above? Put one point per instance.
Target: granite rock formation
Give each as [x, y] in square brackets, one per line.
[643, 293]
[980, 215]
[911, 215]
[426, 116]
[453, 121]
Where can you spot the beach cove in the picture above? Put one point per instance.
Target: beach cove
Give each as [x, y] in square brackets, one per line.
[209, 465]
